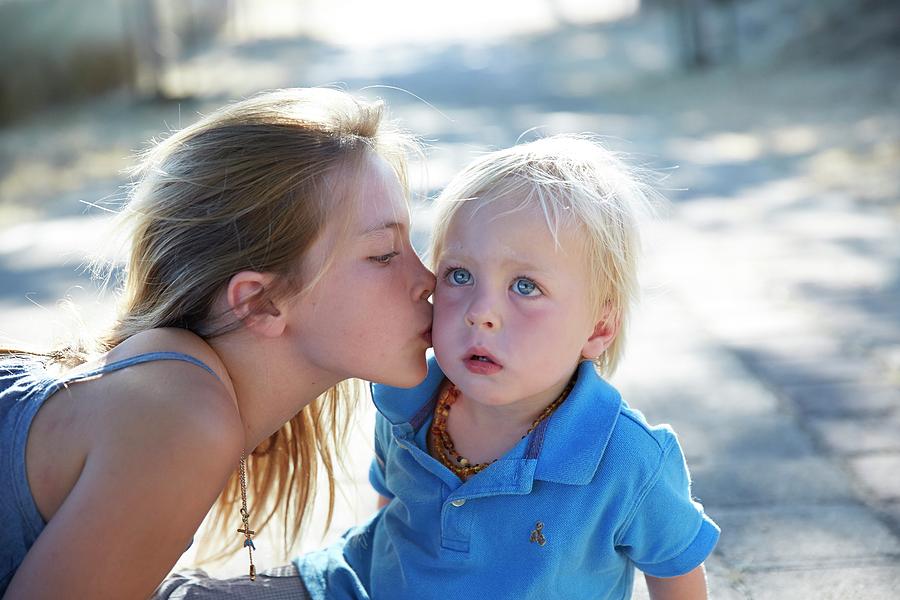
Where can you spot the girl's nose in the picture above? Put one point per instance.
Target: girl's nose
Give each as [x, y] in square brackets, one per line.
[424, 281]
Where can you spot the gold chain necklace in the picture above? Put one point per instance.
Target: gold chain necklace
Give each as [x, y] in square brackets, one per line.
[442, 444]
[245, 517]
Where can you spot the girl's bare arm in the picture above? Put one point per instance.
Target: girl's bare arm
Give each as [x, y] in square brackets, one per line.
[154, 468]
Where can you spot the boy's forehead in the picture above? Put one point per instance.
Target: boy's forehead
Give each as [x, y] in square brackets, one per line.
[486, 213]
[510, 211]
[513, 232]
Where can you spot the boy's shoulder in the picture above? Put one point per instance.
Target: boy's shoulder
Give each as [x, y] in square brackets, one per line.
[629, 426]
[637, 451]
[632, 426]
[624, 444]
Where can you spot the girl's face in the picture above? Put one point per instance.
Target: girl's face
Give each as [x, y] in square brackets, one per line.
[512, 313]
[369, 315]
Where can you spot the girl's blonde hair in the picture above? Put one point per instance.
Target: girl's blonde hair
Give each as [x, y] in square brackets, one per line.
[250, 187]
[573, 181]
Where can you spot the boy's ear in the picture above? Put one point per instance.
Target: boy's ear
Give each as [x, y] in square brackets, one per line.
[244, 296]
[605, 331]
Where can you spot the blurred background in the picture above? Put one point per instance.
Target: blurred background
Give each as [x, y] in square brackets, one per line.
[769, 332]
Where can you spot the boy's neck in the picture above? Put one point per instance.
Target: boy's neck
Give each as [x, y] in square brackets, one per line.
[483, 432]
[517, 416]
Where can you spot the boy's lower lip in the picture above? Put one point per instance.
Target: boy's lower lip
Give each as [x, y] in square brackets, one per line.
[427, 337]
[481, 367]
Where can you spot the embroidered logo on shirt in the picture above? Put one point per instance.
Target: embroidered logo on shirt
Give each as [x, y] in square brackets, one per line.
[537, 536]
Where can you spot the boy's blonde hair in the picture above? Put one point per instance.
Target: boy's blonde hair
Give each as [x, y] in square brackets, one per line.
[574, 181]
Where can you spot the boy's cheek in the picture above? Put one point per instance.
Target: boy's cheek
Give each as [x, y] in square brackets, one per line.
[444, 331]
[444, 303]
[440, 329]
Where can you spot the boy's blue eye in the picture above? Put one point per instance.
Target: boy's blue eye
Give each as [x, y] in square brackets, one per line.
[459, 276]
[526, 287]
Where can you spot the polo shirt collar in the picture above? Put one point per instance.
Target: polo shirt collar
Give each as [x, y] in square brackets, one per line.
[568, 445]
[577, 432]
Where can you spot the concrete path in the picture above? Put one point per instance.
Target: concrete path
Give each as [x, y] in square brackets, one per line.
[769, 334]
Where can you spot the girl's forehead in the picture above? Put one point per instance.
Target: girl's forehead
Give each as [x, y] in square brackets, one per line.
[378, 196]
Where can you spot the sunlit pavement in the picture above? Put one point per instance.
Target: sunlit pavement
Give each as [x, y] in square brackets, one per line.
[769, 331]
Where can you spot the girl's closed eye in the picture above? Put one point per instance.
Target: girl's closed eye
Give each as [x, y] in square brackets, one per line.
[384, 259]
[457, 276]
[523, 286]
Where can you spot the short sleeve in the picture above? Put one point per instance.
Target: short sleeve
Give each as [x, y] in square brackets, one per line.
[377, 468]
[667, 533]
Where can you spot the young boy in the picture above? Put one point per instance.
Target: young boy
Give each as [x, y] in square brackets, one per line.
[515, 470]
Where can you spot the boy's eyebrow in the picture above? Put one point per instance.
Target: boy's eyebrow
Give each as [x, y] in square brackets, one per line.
[506, 261]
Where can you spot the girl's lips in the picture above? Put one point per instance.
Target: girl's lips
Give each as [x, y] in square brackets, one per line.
[426, 335]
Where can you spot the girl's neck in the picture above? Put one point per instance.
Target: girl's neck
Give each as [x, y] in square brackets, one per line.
[266, 393]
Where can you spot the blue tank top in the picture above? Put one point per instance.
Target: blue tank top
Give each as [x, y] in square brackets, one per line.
[25, 385]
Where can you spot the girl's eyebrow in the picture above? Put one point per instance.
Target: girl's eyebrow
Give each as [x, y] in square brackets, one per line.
[380, 227]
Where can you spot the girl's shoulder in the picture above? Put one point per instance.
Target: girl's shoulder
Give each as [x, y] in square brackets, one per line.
[169, 341]
[176, 382]
[135, 416]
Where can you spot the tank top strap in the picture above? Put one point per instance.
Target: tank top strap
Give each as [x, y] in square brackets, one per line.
[140, 359]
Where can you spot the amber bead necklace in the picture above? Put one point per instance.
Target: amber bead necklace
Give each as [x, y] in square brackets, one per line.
[442, 446]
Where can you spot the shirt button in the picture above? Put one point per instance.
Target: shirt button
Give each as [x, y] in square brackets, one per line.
[458, 502]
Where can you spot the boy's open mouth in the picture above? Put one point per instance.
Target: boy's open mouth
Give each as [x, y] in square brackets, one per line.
[480, 362]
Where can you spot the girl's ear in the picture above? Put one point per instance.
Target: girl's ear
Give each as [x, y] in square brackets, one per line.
[246, 302]
[605, 331]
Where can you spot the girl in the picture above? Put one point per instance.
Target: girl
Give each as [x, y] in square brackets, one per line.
[270, 262]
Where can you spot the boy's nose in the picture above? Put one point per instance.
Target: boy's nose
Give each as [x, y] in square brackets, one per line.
[479, 317]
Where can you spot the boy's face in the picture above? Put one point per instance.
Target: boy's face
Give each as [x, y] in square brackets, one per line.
[512, 312]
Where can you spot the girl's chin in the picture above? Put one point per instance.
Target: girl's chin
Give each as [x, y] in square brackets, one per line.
[411, 376]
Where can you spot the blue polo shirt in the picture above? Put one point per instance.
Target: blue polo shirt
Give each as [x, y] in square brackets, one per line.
[591, 493]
